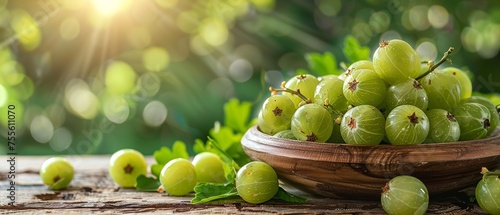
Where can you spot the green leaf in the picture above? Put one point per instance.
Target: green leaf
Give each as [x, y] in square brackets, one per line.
[355, 52]
[199, 146]
[238, 154]
[282, 194]
[207, 192]
[179, 150]
[156, 169]
[225, 137]
[229, 165]
[322, 64]
[164, 154]
[236, 115]
[148, 184]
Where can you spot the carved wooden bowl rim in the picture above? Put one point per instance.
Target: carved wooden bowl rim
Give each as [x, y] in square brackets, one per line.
[255, 140]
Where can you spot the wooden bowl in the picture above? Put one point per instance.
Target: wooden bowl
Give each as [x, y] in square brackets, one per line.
[350, 171]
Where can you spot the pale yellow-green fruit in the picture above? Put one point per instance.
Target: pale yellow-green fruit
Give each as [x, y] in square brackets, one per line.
[396, 61]
[209, 168]
[57, 173]
[126, 165]
[178, 177]
[257, 182]
[465, 82]
[361, 64]
[305, 84]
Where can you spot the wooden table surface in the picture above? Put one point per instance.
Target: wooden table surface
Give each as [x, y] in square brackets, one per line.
[93, 191]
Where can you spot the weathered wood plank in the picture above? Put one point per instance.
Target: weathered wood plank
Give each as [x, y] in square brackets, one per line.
[93, 191]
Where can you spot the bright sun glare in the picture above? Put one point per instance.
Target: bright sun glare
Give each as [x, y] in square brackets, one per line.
[107, 7]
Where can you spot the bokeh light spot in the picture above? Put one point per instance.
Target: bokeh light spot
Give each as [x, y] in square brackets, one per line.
[214, 31]
[418, 17]
[241, 70]
[11, 73]
[363, 32]
[26, 29]
[149, 84]
[61, 140]
[200, 46]
[389, 35]
[427, 50]
[23, 90]
[472, 39]
[154, 113]
[41, 129]
[155, 59]
[70, 28]
[80, 100]
[438, 16]
[120, 78]
[380, 21]
[274, 78]
[116, 109]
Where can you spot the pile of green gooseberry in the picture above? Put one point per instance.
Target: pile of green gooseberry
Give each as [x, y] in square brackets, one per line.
[393, 99]
[256, 182]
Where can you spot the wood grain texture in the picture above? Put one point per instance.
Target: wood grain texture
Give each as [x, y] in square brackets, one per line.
[93, 192]
[350, 171]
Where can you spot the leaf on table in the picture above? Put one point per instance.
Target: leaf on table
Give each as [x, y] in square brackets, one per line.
[237, 115]
[207, 192]
[148, 184]
[322, 64]
[282, 194]
[353, 51]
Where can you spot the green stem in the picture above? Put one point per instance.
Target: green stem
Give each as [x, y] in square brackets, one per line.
[286, 90]
[433, 67]
[486, 172]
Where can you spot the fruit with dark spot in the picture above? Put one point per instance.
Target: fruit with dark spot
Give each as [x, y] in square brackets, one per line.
[57, 173]
[125, 166]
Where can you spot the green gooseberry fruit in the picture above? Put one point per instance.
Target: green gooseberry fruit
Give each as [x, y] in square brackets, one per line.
[126, 165]
[178, 177]
[209, 168]
[257, 182]
[57, 173]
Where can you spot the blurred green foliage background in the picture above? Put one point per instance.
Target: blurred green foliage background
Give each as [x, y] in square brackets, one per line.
[95, 76]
